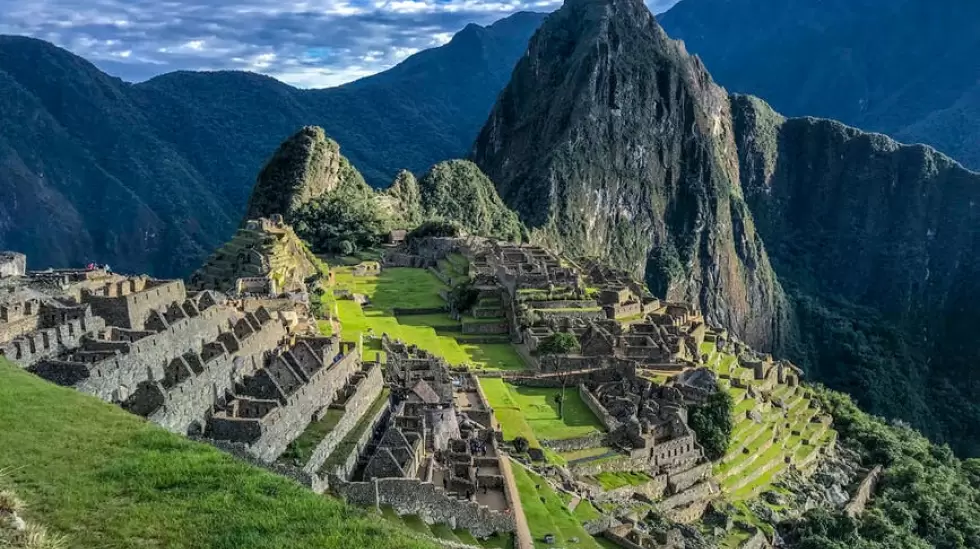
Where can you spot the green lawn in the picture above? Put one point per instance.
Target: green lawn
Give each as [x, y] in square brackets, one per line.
[411, 289]
[110, 480]
[611, 481]
[547, 513]
[532, 410]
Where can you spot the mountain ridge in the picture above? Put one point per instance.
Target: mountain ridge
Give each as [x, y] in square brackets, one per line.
[179, 180]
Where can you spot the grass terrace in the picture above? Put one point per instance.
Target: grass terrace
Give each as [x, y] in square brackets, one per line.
[109, 480]
[406, 288]
[758, 452]
[532, 412]
[548, 513]
[611, 481]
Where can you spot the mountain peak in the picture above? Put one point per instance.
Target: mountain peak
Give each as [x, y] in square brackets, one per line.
[611, 141]
[305, 167]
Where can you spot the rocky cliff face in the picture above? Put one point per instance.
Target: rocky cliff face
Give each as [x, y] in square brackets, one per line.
[305, 167]
[612, 141]
[859, 218]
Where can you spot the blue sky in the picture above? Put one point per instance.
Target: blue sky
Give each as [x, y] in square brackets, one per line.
[307, 43]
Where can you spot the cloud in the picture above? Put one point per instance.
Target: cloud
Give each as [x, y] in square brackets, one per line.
[307, 43]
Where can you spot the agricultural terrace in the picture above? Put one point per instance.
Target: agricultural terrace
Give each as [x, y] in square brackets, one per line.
[548, 513]
[97, 474]
[405, 290]
[789, 434]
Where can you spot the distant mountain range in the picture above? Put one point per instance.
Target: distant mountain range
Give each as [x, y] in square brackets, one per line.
[906, 68]
[154, 176]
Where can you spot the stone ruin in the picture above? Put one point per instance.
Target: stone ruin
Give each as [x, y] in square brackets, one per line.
[649, 423]
[12, 264]
[428, 456]
[264, 258]
[193, 362]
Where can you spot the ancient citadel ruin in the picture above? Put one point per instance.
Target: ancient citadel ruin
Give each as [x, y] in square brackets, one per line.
[235, 357]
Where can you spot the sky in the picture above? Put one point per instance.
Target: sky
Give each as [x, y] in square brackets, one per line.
[306, 43]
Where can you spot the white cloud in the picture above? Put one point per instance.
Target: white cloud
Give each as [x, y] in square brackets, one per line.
[307, 43]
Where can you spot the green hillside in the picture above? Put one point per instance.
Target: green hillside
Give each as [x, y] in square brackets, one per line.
[107, 479]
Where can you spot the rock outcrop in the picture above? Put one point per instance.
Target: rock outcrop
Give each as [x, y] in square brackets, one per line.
[611, 141]
[306, 166]
[892, 228]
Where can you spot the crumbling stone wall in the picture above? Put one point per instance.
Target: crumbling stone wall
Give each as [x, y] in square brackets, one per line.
[12, 264]
[114, 379]
[189, 402]
[131, 311]
[414, 497]
[288, 420]
[354, 409]
[48, 343]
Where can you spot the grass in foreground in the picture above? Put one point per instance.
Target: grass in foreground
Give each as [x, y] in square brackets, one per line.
[109, 480]
[405, 288]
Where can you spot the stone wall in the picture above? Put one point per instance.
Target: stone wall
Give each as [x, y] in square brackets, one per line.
[115, 378]
[578, 443]
[584, 314]
[701, 491]
[607, 420]
[681, 481]
[345, 469]
[863, 494]
[131, 311]
[409, 496]
[190, 401]
[48, 343]
[287, 421]
[563, 304]
[653, 490]
[486, 328]
[591, 468]
[12, 264]
[240, 451]
[367, 392]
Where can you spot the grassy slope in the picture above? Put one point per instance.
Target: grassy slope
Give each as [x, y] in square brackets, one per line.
[547, 513]
[413, 288]
[110, 480]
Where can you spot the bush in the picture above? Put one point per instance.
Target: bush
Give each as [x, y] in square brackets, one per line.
[437, 228]
[559, 343]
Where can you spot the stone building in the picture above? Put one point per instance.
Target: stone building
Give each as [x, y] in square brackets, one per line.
[12, 264]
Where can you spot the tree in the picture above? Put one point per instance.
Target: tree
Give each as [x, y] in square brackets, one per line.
[559, 343]
[712, 422]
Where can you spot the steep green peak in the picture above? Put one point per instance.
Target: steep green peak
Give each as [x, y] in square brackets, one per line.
[305, 167]
[404, 199]
[457, 190]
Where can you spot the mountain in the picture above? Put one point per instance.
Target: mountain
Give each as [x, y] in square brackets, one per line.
[304, 168]
[848, 252]
[612, 141]
[907, 68]
[153, 176]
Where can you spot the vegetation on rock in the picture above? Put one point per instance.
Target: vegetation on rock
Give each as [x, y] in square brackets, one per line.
[458, 191]
[926, 498]
[559, 343]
